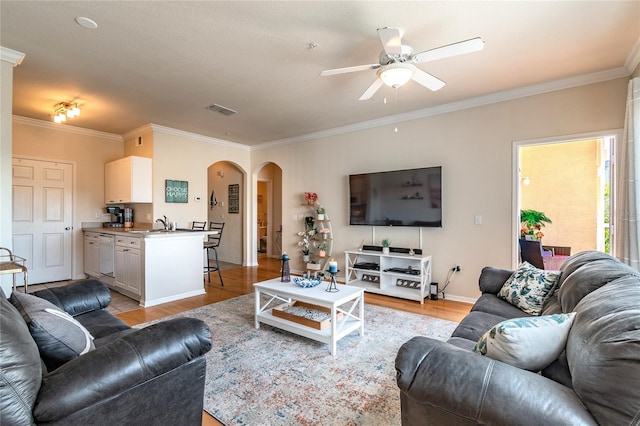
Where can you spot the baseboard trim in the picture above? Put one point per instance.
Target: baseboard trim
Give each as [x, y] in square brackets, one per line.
[149, 303]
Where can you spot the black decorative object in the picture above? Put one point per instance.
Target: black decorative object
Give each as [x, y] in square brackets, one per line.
[401, 250]
[286, 272]
[234, 198]
[433, 290]
[332, 286]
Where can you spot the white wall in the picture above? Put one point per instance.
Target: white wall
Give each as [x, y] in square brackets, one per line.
[180, 157]
[474, 147]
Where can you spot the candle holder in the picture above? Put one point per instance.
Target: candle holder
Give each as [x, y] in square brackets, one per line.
[286, 272]
[332, 286]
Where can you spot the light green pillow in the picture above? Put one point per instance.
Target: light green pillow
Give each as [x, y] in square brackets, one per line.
[528, 287]
[529, 343]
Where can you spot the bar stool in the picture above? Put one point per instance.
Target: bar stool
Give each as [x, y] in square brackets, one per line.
[12, 264]
[198, 226]
[212, 243]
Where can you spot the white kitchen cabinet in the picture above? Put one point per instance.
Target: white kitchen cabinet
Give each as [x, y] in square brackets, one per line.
[155, 267]
[395, 274]
[128, 180]
[92, 254]
[129, 264]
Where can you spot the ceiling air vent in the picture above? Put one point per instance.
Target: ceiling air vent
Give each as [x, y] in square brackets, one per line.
[222, 110]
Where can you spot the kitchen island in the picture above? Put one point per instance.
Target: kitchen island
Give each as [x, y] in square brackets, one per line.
[152, 266]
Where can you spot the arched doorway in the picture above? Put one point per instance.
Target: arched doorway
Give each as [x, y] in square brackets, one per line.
[226, 185]
[268, 211]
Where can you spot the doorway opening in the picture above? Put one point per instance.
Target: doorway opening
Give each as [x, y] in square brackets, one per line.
[225, 189]
[572, 182]
[268, 212]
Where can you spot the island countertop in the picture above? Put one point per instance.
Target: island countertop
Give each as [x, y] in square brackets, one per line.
[166, 265]
[150, 233]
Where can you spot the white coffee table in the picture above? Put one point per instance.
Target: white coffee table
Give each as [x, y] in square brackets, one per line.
[278, 292]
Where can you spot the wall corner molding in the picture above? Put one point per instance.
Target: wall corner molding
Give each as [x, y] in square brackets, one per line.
[12, 56]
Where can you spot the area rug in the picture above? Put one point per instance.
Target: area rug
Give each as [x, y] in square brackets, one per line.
[268, 376]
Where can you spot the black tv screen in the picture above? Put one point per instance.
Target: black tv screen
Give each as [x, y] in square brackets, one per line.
[397, 198]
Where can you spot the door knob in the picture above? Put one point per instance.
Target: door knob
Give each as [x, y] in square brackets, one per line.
[68, 228]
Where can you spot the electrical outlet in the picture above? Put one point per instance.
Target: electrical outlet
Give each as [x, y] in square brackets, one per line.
[98, 214]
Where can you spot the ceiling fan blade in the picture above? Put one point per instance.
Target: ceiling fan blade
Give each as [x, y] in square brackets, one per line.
[459, 48]
[427, 80]
[371, 90]
[391, 39]
[349, 69]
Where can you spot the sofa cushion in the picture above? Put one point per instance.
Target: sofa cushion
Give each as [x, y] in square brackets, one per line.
[101, 323]
[603, 351]
[490, 304]
[528, 287]
[59, 337]
[20, 367]
[530, 343]
[578, 260]
[590, 277]
[475, 324]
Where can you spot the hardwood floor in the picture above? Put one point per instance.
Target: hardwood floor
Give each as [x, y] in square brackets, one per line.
[240, 280]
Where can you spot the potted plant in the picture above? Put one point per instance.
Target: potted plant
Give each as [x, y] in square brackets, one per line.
[321, 212]
[325, 232]
[311, 198]
[313, 266]
[532, 222]
[305, 242]
[322, 249]
[385, 245]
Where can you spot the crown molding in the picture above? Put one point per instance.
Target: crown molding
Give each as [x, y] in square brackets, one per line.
[12, 56]
[65, 128]
[633, 60]
[194, 136]
[507, 95]
[145, 128]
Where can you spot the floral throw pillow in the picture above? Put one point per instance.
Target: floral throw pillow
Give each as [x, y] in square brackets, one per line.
[528, 287]
[530, 343]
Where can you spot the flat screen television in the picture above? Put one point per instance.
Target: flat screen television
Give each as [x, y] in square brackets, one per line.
[397, 198]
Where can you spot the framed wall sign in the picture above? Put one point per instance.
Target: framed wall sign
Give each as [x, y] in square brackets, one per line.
[176, 191]
[234, 198]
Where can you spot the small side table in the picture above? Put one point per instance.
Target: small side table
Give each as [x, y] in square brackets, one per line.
[12, 264]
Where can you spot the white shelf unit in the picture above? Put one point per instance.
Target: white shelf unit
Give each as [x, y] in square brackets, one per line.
[321, 263]
[386, 281]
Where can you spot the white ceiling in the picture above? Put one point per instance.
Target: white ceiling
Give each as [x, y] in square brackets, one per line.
[163, 62]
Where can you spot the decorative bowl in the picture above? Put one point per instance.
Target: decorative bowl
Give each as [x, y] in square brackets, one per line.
[306, 282]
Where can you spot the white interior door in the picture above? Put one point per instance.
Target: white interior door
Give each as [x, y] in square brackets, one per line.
[42, 218]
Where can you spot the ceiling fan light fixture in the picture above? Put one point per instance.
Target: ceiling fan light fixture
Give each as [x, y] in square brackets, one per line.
[396, 74]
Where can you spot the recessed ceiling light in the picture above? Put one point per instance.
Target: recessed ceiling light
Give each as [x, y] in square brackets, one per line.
[86, 22]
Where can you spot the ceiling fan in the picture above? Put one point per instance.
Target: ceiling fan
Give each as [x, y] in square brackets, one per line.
[395, 66]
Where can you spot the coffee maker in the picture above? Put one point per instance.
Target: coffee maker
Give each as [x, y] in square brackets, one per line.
[117, 218]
